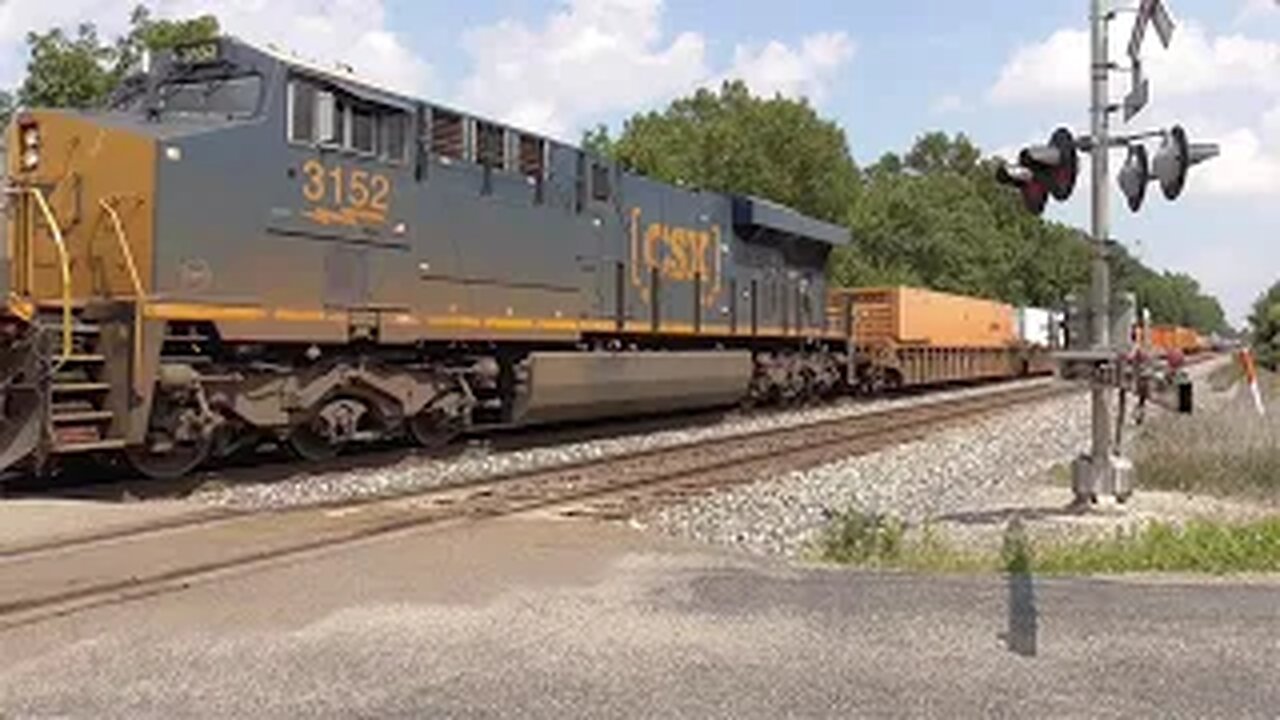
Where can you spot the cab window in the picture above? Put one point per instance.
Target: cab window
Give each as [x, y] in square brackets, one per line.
[329, 117]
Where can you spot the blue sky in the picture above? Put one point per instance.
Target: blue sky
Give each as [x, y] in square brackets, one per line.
[1005, 72]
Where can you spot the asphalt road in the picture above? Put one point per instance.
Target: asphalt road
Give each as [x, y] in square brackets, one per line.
[533, 618]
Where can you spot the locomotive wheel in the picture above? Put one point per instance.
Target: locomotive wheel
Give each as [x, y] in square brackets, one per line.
[162, 458]
[323, 435]
[310, 444]
[429, 431]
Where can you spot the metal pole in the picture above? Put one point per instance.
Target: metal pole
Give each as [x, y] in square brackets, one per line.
[1100, 290]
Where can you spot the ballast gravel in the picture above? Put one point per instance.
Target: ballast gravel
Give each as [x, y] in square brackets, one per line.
[996, 463]
[946, 472]
[478, 461]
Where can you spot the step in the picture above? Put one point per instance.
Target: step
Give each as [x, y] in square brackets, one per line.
[78, 328]
[186, 359]
[80, 387]
[83, 447]
[84, 359]
[82, 416]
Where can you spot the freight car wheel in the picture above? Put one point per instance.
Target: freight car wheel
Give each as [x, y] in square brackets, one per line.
[163, 458]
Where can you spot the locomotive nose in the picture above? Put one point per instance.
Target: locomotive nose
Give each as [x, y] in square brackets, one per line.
[69, 177]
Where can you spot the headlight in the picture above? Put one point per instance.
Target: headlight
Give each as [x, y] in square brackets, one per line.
[31, 137]
[30, 159]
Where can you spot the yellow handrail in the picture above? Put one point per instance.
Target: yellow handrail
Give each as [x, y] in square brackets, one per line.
[64, 264]
[139, 292]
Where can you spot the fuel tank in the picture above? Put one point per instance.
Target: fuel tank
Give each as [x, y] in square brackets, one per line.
[583, 385]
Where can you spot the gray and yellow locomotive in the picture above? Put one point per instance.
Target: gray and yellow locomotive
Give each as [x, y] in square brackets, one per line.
[246, 248]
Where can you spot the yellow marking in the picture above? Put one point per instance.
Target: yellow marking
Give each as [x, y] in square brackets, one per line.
[291, 315]
[454, 321]
[64, 265]
[22, 308]
[558, 325]
[141, 294]
[509, 323]
[404, 319]
[348, 216]
[600, 325]
[197, 311]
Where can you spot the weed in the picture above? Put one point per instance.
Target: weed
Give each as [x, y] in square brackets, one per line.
[1199, 546]
[862, 538]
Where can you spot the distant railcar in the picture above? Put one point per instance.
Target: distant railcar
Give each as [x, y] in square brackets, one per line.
[905, 336]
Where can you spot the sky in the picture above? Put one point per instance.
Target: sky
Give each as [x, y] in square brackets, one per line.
[1006, 72]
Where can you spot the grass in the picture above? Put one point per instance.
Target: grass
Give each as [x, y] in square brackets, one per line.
[1229, 451]
[1225, 376]
[1197, 547]
[875, 541]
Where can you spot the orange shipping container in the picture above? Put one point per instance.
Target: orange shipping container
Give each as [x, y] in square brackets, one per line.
[915, 316]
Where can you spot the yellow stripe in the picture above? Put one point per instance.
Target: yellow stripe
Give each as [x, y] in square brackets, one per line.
[193, 311]
[453, 321]
[302, 315]
[209, 311]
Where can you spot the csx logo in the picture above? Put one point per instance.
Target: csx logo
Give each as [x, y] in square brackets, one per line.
[677, 253]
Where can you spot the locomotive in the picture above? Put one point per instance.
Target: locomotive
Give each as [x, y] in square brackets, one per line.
[246, 248]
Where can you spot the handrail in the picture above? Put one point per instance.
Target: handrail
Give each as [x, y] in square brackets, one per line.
[139, 292]
[64, 264]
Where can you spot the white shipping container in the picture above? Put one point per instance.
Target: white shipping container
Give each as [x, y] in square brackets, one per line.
[1035, 326]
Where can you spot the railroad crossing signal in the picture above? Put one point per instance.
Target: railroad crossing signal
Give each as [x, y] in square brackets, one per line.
[1170, 167]
[1044, 170]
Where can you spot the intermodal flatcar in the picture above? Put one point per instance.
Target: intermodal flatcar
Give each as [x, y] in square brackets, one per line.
[246, 249]
[908, 337]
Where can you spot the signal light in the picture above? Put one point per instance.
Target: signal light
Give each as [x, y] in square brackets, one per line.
[1035, 194]
[1044, 170]
[1175, 157]
[1134, 176]
[1170, 166]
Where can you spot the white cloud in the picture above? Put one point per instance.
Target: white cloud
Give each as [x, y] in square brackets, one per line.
[1056, 70]
[1246, 167]
[353, 32]
[1257, 8]
[590, 57]
[803, 72]
[594, 58]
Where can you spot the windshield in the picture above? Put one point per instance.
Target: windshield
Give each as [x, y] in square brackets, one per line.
[235, 97]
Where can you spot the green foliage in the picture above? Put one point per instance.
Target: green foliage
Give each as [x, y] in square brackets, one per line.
[1265, 324]
[861, 538]
[1199, 546]
[81, 70]
[732, 141]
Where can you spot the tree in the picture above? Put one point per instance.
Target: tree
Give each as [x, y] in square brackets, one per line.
[81, 71]
[733, 141]
[1265, 324]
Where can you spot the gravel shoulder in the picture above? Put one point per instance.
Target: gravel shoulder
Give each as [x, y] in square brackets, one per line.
[964, 483]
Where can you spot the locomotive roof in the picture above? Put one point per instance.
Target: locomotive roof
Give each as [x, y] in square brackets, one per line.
[758, 212]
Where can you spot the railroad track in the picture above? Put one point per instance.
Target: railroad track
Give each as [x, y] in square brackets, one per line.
[143, 561]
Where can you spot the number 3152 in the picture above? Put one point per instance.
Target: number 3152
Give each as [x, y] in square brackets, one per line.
[340, 187]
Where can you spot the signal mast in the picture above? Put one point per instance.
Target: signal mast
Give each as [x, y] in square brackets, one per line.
[1050, 170]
